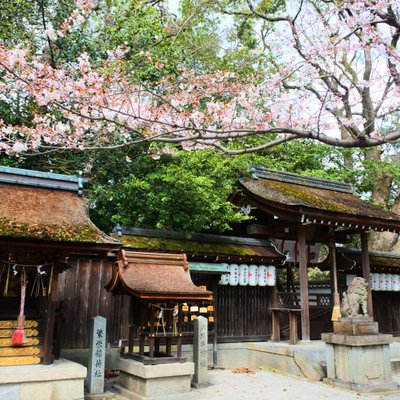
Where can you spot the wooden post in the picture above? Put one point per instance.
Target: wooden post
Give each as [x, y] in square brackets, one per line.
[293, 327]
[305, 308]
[49, 322]
[366, 269]
[215, 324]
[276, 328]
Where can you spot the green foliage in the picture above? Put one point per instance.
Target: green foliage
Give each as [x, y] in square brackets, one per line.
[187, 192]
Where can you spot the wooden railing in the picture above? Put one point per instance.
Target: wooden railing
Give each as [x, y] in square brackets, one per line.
[292, 300]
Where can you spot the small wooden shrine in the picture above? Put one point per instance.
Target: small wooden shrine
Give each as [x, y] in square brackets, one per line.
[239, 311]
[306, 211]
[164, 302]
[43, 221]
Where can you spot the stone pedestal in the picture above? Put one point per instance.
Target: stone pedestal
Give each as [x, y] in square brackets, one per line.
[358, 357]
[62, 380]
[356, 326]
[153, 382]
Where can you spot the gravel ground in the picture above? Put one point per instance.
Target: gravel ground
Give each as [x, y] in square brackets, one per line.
[269, 385]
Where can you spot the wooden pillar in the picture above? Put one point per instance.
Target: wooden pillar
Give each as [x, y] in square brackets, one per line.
[305, 308]
[215, 325]
[49, 318]
[366, 269]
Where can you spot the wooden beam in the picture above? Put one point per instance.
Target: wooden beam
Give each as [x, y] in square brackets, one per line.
[366, 270]
[49, 318]
[305, 309]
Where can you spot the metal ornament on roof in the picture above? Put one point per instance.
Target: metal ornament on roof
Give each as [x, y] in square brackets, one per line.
[291, 251]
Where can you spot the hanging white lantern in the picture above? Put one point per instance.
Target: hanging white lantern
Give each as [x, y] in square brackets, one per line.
[224, 279]
[234, 275]
[243, 274]
[371, 281]
[389, 280]
[375, 284]
[383, 282]
[271, 275]
[262, 275]
[253, 275]
[396, 283]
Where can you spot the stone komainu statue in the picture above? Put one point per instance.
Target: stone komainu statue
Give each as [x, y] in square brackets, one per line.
[355, 298]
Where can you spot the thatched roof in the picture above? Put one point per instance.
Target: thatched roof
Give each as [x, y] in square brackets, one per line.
[45, 207]
[314, 200]
[155, 276]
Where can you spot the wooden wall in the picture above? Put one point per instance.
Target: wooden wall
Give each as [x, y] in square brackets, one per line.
[241, 310]
[82, 296]
[242, 313]
[387, 311]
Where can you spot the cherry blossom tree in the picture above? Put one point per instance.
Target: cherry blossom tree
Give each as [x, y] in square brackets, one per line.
[334, 78]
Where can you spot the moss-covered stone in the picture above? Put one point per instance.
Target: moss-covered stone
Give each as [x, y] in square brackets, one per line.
[65, 233]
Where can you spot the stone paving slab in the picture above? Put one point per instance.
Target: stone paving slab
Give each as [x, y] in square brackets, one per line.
[269, 385]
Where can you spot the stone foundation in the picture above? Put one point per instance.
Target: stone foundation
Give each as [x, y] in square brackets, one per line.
[63, 380]
[357, 357]
[153, 382]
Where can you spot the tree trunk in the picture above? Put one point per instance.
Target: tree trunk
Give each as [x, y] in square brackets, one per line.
[382, 241]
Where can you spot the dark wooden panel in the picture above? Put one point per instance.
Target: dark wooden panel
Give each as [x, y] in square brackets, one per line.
[242, 312]
[82, 296]
[387, 311]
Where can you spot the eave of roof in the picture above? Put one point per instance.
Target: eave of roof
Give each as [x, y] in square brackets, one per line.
[155, 276]
[376, 258]
[200, 246]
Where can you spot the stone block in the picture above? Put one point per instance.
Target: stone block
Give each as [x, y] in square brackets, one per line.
[355, 326]
[60, 370]
[357, 340]
[309, 366]
[58, 390]
[154, 381]
[154, 371]
[9, 392]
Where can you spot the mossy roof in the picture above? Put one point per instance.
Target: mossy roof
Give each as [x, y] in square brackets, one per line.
[307, 199]
[47, 214]
[146, 243]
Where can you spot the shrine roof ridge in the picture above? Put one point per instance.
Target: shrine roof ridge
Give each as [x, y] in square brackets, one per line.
[289, 177]
[48, 180]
